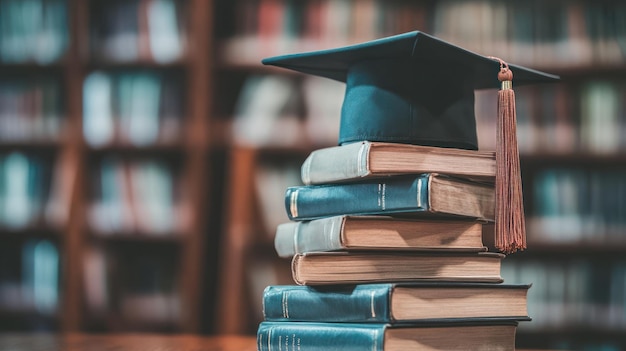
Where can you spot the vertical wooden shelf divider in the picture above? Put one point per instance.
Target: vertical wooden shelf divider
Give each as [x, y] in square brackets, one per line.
[71, 158]
[232, 307]
[197, 150]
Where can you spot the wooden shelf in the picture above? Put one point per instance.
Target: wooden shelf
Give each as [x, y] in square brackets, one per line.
[98, 64]
[170, 149]
[37, 146]
[138, 238]
[190, 154]
[28, 319]
[29, 232]
[572, 250]
[573, 159]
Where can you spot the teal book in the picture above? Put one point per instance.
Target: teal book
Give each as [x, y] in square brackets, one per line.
[310, 336]
[427, 193]
[394, 303]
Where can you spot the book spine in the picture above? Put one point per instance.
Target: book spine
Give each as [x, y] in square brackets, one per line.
[336, 164]
[274, 336]
[397, 195]
[319, 235]
[357, 304]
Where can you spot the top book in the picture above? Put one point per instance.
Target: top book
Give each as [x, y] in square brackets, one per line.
[378, 159]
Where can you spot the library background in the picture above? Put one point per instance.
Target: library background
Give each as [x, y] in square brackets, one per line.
[144, 155]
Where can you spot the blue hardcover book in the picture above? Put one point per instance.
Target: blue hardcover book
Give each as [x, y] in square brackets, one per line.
[424, 193]
[393, 303]
[310, 336]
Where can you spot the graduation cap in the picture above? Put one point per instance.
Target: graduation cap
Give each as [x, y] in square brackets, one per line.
[414, 88]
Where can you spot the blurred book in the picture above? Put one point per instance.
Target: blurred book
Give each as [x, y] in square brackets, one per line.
[142, 108]
[135, 197]
[33, 31]
[127, 31]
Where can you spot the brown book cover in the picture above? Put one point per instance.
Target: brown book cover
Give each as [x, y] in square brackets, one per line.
[377, 267]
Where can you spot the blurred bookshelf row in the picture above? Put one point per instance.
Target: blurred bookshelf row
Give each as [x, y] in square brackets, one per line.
[95, 168]
[30, 281]
[136, 197]
[139, 288]
[536, 33]
[138, 30]
[585, 117]
[579, 205]
[31, 109]
[564, 296]
[145, 150]
[136, 108]
[33, 31]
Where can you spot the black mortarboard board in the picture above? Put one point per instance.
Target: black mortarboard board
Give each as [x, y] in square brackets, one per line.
[408, 88]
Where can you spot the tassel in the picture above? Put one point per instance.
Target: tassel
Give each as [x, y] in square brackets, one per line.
[510, 227]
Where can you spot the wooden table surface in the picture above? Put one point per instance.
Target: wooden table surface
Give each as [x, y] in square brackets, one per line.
[124, 342]
[127, 342]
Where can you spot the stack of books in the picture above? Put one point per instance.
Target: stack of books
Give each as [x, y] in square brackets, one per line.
[410, 273]
[386, 234]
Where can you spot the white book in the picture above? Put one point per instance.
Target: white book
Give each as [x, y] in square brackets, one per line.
[98, 126]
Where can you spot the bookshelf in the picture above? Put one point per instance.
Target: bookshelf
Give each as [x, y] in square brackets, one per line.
[208, 150]
[569, 139]
[107, 168]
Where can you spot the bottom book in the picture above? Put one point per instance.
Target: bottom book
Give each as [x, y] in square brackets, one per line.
[310, 336]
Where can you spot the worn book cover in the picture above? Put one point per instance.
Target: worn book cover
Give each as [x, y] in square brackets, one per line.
[427, 193]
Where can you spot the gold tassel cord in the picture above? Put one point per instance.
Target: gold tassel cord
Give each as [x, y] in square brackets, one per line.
[510, 228]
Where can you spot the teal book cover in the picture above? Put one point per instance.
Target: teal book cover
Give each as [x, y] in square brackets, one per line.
[395, 302]
[418, 194]
[310, 336]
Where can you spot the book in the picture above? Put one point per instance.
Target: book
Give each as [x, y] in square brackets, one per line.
[321, 268]
[376, 159]
[308, 336]
[395, 303]
[377, 233]
[427, 193]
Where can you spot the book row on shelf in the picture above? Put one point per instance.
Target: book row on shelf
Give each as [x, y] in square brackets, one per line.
[123, 31]
[533, 32]
[128, 196]
[30, 109]
[579, 205]
[138, 30]
[271, 110]
[33, 31]
[565, 293]
[25, 182]
[138, 108]
[29, 277]
[563, 33]
[139, 196]
[265, 27]
[138, 284]
[587, 117]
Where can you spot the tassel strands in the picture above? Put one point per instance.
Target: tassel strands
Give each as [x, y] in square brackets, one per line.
[510, 228]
